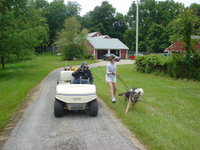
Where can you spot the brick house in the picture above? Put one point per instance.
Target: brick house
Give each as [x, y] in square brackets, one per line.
[179, 47]
[100, 45]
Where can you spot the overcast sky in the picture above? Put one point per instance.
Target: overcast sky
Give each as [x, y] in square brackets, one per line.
[121, 6]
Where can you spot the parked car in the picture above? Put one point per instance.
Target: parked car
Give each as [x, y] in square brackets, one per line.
[106, 57]
[133, 57]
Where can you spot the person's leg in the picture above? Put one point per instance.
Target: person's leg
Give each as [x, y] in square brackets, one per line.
[111, 89]
[84, 81]
[76, 81]
[114, 88]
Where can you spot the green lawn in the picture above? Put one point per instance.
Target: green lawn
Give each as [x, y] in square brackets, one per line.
[169, 116]
[18, 79]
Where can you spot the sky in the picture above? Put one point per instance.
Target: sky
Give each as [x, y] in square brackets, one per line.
[121, 6]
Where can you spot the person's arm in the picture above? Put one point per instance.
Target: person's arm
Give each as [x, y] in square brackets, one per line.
[118, 74]
[90, 77]
[76, 73]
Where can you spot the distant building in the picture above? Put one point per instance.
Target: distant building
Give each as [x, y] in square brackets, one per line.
[100, 45]
[178, 46]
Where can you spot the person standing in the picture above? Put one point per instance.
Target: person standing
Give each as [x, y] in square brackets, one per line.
[111, 73]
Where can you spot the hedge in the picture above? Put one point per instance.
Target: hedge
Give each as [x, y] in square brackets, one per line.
[176, 65]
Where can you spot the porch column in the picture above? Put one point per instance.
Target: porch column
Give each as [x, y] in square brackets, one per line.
[94, 53]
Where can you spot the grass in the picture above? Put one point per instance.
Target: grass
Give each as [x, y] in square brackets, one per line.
[18, 79]
[169, 116]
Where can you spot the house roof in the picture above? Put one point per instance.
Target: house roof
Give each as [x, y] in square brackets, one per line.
[178, 46]
[195, 36]
[175, 46]
[102, 36]
[92, 34]
[105, 43]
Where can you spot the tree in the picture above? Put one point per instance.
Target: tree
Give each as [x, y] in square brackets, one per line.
[195, 8]
[120, 26]
[105, 20]
[73, 9]
[22, 28]
[102, 19]
[41, 4]
[156, 39]
[183, 27]
[129, 38]
[57, 12]
[167, 11]
[71, 40]
[153, 15]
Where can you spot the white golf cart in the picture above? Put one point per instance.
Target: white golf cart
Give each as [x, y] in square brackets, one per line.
[74, 96]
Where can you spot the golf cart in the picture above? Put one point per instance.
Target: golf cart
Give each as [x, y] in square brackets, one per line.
[74, 96]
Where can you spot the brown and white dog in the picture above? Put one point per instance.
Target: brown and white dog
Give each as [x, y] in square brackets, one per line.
[132, 96]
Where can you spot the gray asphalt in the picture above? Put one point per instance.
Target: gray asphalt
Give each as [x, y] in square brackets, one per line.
[38, 129]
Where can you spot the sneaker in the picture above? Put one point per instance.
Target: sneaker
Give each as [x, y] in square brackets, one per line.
[113, 100]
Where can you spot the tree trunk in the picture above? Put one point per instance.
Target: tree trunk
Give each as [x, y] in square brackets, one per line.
[2, 62]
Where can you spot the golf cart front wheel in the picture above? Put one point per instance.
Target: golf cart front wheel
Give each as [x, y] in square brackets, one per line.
[58, 108]
[93, 108]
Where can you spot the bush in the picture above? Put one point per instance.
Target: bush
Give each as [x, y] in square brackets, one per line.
[89, 56]
[185, 66]
[177, 65]
[151, 63]
[72, 51]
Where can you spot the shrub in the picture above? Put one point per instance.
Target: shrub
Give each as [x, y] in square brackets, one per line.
[72, 51]
[185, 66]
[151, 63]
[177, 65]
[89, 56]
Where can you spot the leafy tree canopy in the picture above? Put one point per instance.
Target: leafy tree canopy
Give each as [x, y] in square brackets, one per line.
[71, 40]
[22, 28]
[154, 16]
[56, 13]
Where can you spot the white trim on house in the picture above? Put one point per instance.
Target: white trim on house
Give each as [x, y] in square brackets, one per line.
[94, 51]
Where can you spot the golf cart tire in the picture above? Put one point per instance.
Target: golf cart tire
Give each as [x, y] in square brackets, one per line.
[93, 108]
[58, 108]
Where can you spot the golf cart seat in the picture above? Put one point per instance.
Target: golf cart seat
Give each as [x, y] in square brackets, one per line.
[66, 77]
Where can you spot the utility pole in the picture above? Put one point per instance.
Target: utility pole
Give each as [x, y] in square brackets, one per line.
[137, 26]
